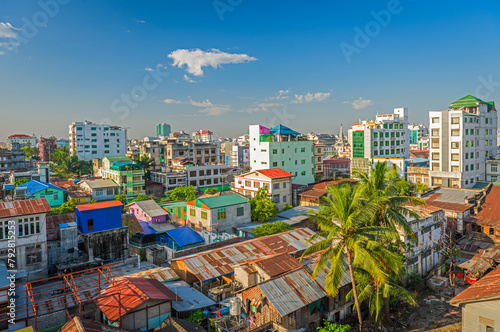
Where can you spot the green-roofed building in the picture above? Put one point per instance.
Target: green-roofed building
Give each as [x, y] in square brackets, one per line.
[219, 213]
[462, 139]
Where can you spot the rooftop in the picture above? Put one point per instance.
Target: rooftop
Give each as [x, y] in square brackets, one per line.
[486, 288]
[282, 130]
[84, 325]
[292, 291]
[185, 236]
[489, 215]
[275, 173]
[218, 262]
[218, 201]
[128, 293]
[469, 101]
[99, 183]
[451, 199]
[275, 265]
[172, 324]
[100, 205]
[191, 298]
[55, 220]
[150, 207]
[34, 186]
[24, 207]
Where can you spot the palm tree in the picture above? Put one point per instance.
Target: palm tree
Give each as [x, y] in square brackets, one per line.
[145, 161]
[392, 193]
[347, 240]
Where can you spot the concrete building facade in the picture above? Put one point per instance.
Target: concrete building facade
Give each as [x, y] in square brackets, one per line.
[163, 130]
[91, 140]
[282, 147]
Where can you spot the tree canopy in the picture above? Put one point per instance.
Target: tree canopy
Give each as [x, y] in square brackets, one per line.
[262, 207]
[182, 193]
[271, 228]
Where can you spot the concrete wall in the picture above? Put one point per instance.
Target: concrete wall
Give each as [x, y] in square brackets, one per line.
[108, 245]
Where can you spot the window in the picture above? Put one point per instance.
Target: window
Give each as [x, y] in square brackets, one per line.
[90, 224]
[240, 211]
[302, 149]
[303, 161]
[435, 120]
[375, 152]
[466, 168]
[454, 145]
[248, 183]
[454, 156]
[275, 164]
[375, 135]
[110, 191]
[303, 173]
[256, 184]
[435, 156]
[466, 144]
[275, 151]
[276, 186]
[455, 132]
[455, 120]
[435, 132]
[221, 214]
[204, 215]
[375, 143]
[276, 198]
[192, 212]
[99, 192]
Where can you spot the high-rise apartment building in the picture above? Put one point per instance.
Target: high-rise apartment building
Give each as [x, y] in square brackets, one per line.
[417, 132]
[91, 140]
[163, 130]
[46, 147]
[22, 139]
[385, 139]
[462, 138]
[281, 147]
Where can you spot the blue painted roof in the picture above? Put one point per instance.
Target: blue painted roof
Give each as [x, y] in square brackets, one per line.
[35, 186]
[146, 230]
[185, 236]
[282, 130]
[8, 186]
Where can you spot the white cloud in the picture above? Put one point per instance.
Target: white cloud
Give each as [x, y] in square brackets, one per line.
[140, 21]
[260, 107]
[2, 52]
[148, 69]
[282, 94]
[172, 101]
[195, 60]
[206, 106]
[311, 97]
[7, 30]
[188, 79]
[359, 103]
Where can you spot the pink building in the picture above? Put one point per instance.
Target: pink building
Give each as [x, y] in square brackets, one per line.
[148, 211]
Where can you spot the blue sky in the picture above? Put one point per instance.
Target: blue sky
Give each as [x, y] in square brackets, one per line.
[88, 57]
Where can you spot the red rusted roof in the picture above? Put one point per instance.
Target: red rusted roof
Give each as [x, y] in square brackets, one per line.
[78, 193]
[275, 173]
[336, 161]
[323, 185]
[64, 184]
[129, 293]
[439, 200]
[24, 207]
[100, 205]
[490, 211]
[54, 221]
[277, 264]
[20, 136]
[313, 193]
[486, 288]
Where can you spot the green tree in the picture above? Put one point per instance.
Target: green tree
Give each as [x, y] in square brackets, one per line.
[31, 152]
[182, 193]
[262, 207]
[196, 317]
[347, 239]
[271, 228]
[142, 197]
[332, 327]
[66, 207]
[59, 155]
[20, 181]
[147, 163]
[287, 207]
[421, 188]
[122, 198]
[211, 191]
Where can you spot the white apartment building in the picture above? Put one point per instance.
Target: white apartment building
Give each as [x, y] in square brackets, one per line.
[281, 147]
[277, 181]
[492, 169]
[385, 139]
[206, 136]
[462, 138]
[90, 140]
[428, 230]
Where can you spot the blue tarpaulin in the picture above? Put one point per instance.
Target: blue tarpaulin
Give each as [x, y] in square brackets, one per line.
[184, 236]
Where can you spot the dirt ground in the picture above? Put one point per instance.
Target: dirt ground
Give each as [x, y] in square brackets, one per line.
[432, 314]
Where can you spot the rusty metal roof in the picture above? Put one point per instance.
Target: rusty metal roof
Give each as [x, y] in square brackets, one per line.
[451, 199]
[24, 207]
[54, 221]
[490, 211]
[78, 193]
[128, 293]
[276, 264]
[85, 325]
[218, 262]
[482, 261]
[291, 291]
[486, 288]
[162, 274]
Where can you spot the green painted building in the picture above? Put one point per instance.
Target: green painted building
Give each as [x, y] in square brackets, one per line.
[37, 189]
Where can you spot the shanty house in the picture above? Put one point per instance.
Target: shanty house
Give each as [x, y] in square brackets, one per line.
[480, 304]
[218, 213]
[136, 303]
[37, 189]
[181, 238]
[100, 189]
[148, 211]
[211, 269]
[292, 301]
[487, 221]
[192, 300]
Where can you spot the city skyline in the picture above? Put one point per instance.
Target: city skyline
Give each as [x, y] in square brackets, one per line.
[225, 66]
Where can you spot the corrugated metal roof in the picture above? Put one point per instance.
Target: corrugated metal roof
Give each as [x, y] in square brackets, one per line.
[100, 205]
[291, 291]
[172, 324]
[53, 221]
[275, 265]
[218, 262]
[24, 207]
[486, 288]
[129, 293]
[451, 199]
[78, 193]
[185, 236]
[191, 298]
[220, 201]
[150, 207]
[100, 183]
[162, 274]
[490, 211]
